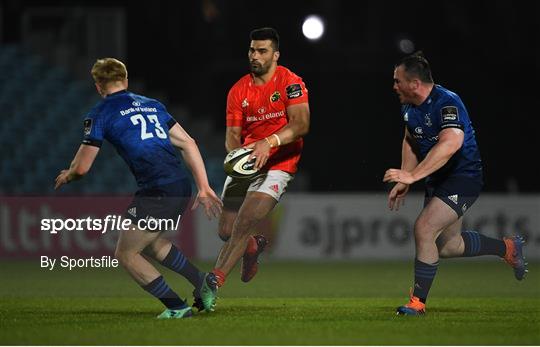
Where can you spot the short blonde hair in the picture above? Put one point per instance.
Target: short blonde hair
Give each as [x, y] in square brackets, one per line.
[108, 70]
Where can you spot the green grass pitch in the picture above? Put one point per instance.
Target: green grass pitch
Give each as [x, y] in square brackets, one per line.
[471, 303]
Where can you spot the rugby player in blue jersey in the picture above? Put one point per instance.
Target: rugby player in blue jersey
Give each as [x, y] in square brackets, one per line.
[440, 146]
[145, 135]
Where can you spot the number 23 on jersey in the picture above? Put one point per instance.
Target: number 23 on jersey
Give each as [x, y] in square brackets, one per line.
[139, 119]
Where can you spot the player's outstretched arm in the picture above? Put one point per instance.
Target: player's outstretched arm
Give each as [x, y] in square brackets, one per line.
[80, 165]
[193, 159]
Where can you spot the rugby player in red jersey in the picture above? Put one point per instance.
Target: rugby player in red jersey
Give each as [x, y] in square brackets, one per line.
[267, 110]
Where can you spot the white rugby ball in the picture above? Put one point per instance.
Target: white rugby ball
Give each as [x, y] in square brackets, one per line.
[237, 165]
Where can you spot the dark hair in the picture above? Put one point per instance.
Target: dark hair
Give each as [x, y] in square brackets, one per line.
[416, 65]
[266, 34]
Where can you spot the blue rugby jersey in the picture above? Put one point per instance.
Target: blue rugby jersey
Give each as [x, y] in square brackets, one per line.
[441, 110]
[138, 127]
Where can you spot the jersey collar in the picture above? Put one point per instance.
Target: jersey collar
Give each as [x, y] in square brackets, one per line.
[123, 91]
[431, 97]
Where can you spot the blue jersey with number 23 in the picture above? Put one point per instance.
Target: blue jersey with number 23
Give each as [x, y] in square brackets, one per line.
[138, 127]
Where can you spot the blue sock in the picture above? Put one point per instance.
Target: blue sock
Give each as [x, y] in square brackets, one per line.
[159, 289]
[477, 244]
[179, 263]
[423, 278]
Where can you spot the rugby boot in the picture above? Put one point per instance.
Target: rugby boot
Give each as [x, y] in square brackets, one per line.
[250, 263]
[514, 256]
[175, 314]
[415, 307]
[207, 293]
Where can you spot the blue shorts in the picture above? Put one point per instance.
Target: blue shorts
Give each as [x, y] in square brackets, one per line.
[166, 201]
[458, 192]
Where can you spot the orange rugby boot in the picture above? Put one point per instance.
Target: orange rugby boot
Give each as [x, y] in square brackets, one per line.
[415, 307]
[514, 256]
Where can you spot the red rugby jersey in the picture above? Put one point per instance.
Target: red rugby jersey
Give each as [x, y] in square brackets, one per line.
[261, 110]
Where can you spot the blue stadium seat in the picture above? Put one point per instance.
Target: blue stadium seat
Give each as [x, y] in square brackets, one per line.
[40, 133]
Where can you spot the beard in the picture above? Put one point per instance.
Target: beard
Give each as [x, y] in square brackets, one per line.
[259, 69]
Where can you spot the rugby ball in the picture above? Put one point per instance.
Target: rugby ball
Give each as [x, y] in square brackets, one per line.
[238, 165]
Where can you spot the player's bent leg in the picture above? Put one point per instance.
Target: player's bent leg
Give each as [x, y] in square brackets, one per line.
[255, 243]
[130, 245]
[456, 243]
[510, 249]
[172, 258]
[450, 243]
[226, 222]
[274, 184]
[158, 249]
[256, 206]
[234, 192]
[434, 218]
[204, 299]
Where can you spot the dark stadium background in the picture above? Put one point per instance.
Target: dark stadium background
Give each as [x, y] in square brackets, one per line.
[189, 53]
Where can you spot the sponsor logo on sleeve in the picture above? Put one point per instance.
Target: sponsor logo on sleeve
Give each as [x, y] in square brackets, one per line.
[294, 91]
[87, 126]
[449, 114]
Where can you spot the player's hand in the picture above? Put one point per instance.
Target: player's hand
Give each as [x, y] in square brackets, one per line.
[61, 179]
[261, 151]
[396, 197]
[211, 202]
[398, 176]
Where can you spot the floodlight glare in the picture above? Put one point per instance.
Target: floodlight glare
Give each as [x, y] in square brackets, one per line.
[313, 27]
[406, 46]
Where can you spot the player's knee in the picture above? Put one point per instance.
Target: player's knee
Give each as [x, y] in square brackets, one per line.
[120, 255]
[151, 251]
[124, 257]
[445, 252]
[224, 234]
[422, 231]
[225, 230]
[449, 248]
